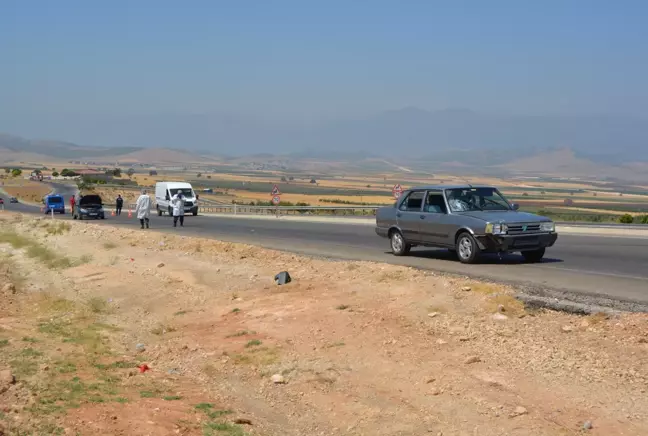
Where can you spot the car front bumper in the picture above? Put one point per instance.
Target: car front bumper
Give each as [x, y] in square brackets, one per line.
[504, 243]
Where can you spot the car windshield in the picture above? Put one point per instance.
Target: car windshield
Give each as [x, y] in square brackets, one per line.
[55, 200]
[90, 199]
[472, 199]
[185, 191]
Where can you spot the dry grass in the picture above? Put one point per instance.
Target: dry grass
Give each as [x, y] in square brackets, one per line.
[35, 250]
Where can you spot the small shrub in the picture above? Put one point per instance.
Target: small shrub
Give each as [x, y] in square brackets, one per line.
[253, 343]
[626, 219]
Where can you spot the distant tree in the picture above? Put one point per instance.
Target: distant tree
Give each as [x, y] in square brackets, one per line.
[620, 194]
[55, 174]
[16, 172]
[152, 173]
[542, 193]
[594, 194]
[7, 170]
[569, 202]
[291, 178]
[199, 175]
[209, 177]
[626, 219]
[283, 179]
[313, 181]
[130, 172]
[117, 172]
[524, 194]
[368, 186]
[571, 193]
[38, 172]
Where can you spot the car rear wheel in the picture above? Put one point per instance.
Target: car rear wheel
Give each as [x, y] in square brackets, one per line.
[534, 256]
[398, 245]
[467, 249]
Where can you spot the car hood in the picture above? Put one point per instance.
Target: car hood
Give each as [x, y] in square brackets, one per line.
[510, 216]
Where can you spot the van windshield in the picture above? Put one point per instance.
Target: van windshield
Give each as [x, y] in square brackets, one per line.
[187, 192]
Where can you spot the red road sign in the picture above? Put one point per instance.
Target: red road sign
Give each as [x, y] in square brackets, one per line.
[275, 190]
[276, 200]
[397, 190]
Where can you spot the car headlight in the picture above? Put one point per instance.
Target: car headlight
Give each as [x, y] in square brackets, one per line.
[496, 228]
[84, 210]
[548, 227]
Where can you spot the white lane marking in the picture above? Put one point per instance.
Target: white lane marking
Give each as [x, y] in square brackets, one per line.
[598, 273]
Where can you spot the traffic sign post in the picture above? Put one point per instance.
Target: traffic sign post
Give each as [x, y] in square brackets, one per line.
[276, 198]
[397, 191]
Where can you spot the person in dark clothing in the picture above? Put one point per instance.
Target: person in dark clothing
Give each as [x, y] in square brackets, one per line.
[119, 203]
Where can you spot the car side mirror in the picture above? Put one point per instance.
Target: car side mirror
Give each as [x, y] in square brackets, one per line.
[515, 206]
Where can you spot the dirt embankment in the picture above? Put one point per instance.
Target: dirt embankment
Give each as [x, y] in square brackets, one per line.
[112, 331]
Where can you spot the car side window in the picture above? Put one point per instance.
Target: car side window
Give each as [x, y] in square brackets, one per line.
[413, 202]
[435, 203]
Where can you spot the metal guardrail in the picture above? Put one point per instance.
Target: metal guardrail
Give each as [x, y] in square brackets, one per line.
[280, 210]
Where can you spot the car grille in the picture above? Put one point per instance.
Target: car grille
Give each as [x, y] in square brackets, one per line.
[188, 203]
[523, 229]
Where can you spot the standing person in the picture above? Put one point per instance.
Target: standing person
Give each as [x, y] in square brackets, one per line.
[178, 202]
[119, 203]
[143, 208]
[72, 203]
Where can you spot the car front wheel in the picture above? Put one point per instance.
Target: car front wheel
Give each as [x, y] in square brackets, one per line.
[533, 256]
[467, 249]
[398, 245]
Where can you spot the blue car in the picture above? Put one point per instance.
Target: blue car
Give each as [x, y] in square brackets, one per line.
[54, 203]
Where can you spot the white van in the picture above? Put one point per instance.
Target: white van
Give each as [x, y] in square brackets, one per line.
[164, 191]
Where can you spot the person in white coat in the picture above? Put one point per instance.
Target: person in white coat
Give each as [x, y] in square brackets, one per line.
[143, 208]
[178, 202]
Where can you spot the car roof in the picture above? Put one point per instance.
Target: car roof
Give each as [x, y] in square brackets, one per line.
[441, 187]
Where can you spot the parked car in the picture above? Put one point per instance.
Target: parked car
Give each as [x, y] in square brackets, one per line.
[89, 206]
[467, 220]
[54, 202]
[13, 200]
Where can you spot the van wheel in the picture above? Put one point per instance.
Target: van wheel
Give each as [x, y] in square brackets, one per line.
[194, 212]
[467, 249]
[159, 211]
[398, 245]
[170, 211]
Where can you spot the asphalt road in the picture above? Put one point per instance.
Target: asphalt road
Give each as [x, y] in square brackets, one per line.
[587, 265]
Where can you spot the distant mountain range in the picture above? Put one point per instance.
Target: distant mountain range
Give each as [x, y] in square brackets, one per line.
[408, 137]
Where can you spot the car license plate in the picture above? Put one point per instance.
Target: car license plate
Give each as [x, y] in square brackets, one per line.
[93, 214]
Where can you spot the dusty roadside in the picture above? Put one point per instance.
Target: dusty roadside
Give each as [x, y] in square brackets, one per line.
[346, 348]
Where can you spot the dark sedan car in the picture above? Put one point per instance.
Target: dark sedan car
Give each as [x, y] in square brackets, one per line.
[89, 206]
[465, 219]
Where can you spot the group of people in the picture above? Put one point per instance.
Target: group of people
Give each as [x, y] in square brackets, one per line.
[143, 208]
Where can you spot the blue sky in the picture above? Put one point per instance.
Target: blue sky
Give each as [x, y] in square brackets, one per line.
[296, 60]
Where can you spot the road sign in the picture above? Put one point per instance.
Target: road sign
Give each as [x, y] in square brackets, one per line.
[275, 190]
[276, 200]
[397, 191]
